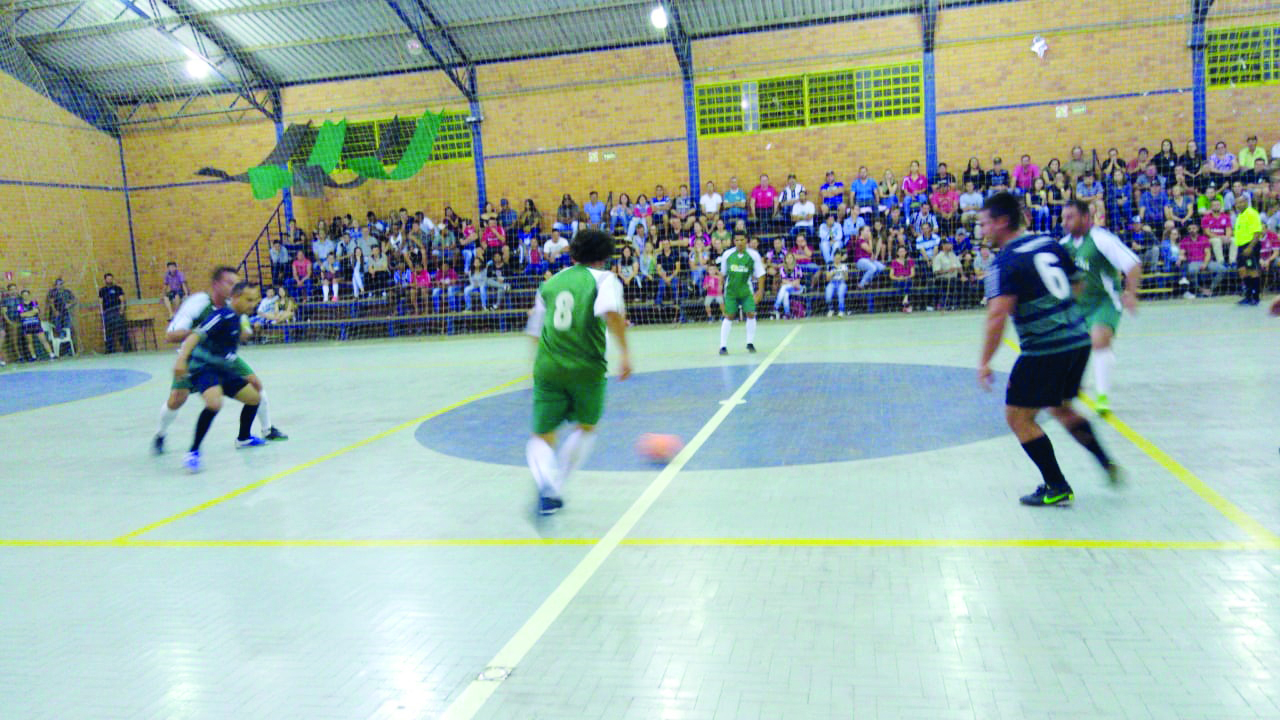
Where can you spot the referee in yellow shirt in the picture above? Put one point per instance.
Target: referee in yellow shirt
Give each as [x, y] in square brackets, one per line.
[1248, 237]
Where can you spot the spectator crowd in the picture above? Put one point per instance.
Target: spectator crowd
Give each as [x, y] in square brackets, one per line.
[915, 237]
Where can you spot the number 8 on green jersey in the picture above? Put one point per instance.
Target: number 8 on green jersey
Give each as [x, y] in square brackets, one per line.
[569, 370]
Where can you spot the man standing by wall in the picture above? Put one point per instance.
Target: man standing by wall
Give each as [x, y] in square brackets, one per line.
[113, 328]
[61, 303]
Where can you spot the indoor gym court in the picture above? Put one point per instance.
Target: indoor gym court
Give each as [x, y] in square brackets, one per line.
[841, 536]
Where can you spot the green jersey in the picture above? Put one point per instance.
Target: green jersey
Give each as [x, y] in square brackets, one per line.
[739, 268]
[1102, 259]
[192, 313]
[572, 343]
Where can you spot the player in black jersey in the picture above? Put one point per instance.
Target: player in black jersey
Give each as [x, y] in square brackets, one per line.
[208, 356]
[1031, 280]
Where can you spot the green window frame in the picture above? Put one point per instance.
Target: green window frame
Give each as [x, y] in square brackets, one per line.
[453, 139]
[832, 97]
[782, 102]
[1242, 56]
[869, 94]
[888, 92]
[719, 109]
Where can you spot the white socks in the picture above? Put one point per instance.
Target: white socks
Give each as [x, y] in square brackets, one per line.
[751, 330]
[167, 417]
[1104, 361]
[573, 452]
[262, 412]
[725, 326]
[542, 463]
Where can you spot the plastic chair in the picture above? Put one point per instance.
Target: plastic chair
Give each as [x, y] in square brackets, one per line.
[57, 341]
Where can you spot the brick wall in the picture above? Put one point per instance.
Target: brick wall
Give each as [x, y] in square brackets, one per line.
[51, 231]
[1111, 65]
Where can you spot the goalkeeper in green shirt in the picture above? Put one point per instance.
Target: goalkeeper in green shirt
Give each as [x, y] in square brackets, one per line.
[742, 269]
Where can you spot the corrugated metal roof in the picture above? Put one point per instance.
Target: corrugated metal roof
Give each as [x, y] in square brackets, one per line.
[104, 44]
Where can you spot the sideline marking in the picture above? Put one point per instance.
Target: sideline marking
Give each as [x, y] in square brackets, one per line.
[316, 461]
[1232, 512]
[822, 542]
[478, 691]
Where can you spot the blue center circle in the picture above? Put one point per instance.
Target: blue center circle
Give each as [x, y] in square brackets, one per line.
[27, 390]
[795, 414]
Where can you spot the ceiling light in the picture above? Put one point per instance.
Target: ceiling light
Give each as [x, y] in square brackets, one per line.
[659, 17]
[198, 69]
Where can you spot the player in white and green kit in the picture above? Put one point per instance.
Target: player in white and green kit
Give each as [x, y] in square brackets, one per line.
[742, 268]
[1104, 259]
[191, 314]
[569, 370]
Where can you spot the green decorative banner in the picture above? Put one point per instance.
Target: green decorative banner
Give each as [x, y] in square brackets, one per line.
[275, 174]
[415, 155]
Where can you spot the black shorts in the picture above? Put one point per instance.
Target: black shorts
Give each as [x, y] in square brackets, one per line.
[210, 376]
[1041, 381]
[1248, 256]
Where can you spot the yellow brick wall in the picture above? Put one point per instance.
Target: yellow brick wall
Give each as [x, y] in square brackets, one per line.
[50, 231]
[198, 225]
[544, 117]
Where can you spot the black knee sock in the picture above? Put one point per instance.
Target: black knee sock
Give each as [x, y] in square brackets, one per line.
[202, 427]
[1255, 287]
[1040, 451]
[247, 414]
[1083, 433]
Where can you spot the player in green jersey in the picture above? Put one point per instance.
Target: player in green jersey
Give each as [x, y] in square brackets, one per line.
[192, 313]
[1103, 259]
[569, 369]
[742, 268]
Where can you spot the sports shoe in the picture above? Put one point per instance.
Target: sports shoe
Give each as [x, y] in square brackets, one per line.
[251, 441]
[1188, 295]
[1246, 301]
[1044, 496]
[1102, 405]
[548, 505]
[751, 348]
[157, 445]
[275, 434]
[192, 463]
[724, 351]
[1115, 475]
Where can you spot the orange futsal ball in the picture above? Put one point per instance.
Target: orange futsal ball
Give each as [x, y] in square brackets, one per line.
[658, 448]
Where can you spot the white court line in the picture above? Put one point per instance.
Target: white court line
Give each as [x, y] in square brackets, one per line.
[474, 696]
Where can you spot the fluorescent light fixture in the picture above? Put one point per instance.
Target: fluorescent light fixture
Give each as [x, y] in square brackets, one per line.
[198, 69]
[659, 17]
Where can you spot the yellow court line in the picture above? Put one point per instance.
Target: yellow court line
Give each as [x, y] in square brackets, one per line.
[724, 542]
[312, 463]
[1241, 519]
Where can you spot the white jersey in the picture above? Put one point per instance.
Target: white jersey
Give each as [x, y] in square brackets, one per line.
[190, 312]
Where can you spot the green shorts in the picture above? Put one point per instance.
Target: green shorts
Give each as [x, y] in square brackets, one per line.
[1101, 313]
[240, 367]
[557, 401]
[732, 300]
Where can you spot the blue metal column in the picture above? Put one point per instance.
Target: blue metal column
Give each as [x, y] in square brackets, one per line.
[1199, 99]
[477, 143]
[928, 27]
[683, 47]
[286, 193]
[128, 212]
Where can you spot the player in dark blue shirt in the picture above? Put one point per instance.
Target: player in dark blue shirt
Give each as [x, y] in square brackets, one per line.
[1031, 279]
[208, 356]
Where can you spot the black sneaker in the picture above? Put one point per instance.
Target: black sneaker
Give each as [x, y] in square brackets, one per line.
[751, 348]
[1044, 496]
[275, 434]
[157, 445]
[724, 351]
[548, 505]
[1115, 475]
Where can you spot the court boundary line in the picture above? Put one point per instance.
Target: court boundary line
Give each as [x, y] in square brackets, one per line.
[1234, 514]
[477, 692]
[652, 542]
[127, 537]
